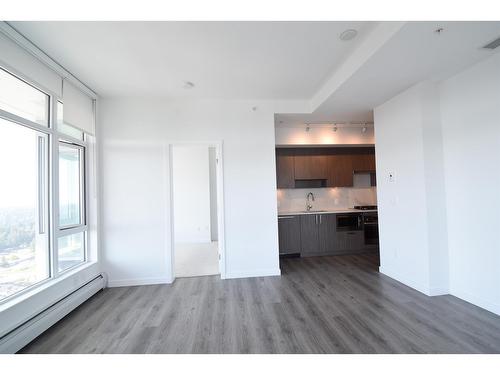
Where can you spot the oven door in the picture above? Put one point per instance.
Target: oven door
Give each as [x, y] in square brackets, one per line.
[348, 222]
[370, 224]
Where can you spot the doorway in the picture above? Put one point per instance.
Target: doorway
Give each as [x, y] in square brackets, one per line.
[197, 225]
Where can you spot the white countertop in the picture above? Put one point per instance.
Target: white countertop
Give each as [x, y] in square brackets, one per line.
[328, 211]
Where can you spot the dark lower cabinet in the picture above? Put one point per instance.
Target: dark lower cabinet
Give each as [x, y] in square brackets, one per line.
[327, 233]
[350, 241]
[289, 234]
[317, 232]
[309, 234]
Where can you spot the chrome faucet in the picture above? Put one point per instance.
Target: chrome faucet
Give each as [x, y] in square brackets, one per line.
[309, 205]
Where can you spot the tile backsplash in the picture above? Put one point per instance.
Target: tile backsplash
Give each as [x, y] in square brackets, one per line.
[326, 198]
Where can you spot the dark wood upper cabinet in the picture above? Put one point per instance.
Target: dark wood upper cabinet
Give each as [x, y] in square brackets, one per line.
[340, 170]
[285, 175]
[331, 166]
[363, 162]
[310, 164]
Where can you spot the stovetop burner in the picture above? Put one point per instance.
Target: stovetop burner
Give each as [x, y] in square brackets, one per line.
[368, 207]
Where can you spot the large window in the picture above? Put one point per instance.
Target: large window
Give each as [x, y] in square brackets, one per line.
[24, 252]
[43, 230]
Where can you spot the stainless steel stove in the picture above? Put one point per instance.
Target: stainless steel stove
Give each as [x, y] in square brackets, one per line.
[364, 208]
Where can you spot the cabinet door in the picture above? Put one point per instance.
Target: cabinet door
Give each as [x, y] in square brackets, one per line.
[309, 234]
[285, 169]
[350, 241]
[340, 170]
[364, 162]
[310, 167]
[327, 233]
[289, 234]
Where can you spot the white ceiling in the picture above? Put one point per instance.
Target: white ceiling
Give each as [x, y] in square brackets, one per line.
[415, 53]
[265, 60]
[235, 60]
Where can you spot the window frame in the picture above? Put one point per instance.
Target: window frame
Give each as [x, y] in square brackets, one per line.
[82, 180]
[82, 227]
[53, 138]
[34, 85]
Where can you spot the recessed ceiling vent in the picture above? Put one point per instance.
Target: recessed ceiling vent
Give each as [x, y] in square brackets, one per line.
[348, 34]
[493, 45]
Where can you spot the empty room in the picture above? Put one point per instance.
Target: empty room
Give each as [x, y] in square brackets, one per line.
[249, 187]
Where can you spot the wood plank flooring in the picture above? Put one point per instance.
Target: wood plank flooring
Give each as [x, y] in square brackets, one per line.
[335, 304]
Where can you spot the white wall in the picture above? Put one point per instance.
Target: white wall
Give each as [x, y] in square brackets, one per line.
[212, 166]
[191, 185]
[136, 221]
[402, 213]
[438, 219]
[323, 135]
[470, 108]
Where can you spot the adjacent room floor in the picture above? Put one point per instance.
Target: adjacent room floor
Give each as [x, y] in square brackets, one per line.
[196, 259]
[337, 304]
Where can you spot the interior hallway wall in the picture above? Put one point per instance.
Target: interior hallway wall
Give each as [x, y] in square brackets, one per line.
[136, 207]
[402, 207]
[191, 185]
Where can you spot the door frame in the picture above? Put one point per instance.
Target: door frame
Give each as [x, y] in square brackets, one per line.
[218, 145]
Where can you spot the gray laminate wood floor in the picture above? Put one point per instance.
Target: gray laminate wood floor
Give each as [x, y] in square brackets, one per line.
[337, 304]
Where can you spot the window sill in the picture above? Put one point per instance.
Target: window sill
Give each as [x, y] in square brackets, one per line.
[44, 285]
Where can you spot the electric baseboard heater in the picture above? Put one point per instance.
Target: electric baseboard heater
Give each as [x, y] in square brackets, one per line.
[22, 335]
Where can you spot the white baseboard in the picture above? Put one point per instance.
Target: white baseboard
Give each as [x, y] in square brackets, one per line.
[253, 273]
[478, 301]
[438, 291]
[402, 279]
[29, 330]
[136, 282]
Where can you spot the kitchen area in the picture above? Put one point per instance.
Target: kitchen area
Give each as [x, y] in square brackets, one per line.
[327, 200]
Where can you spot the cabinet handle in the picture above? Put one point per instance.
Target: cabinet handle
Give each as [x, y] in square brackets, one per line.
[320, 218]
[316, 219]
[286, 217]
